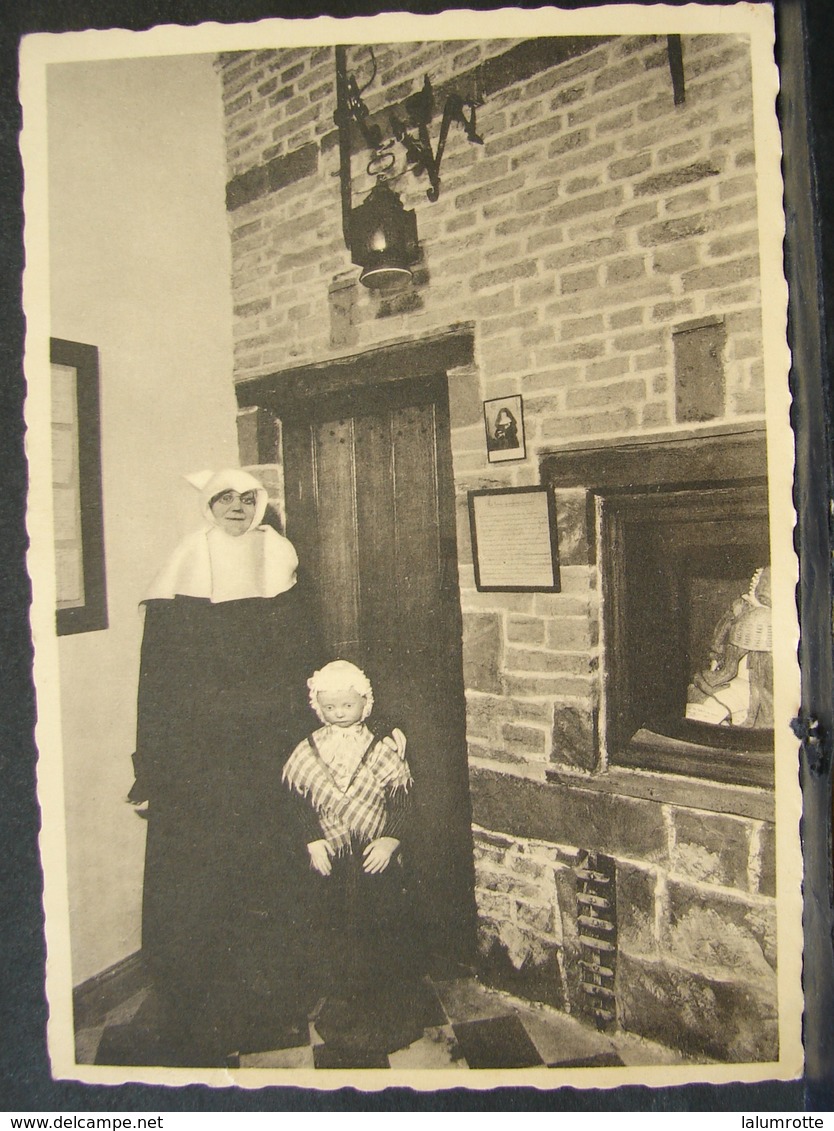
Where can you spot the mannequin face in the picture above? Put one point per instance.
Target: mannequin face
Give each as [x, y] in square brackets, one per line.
[233, 512]
[341, 708]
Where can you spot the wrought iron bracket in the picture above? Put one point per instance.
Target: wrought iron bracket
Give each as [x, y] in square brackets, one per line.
[419, 108]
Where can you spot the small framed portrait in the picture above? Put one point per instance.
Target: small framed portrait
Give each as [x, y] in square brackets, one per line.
[504, 424]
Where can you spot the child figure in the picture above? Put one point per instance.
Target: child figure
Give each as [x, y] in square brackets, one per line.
[352, 792]
[737, 687]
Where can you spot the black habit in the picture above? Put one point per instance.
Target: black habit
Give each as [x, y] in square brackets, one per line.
[222, 703]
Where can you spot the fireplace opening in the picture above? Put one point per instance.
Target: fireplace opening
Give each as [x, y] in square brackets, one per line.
[688, 673]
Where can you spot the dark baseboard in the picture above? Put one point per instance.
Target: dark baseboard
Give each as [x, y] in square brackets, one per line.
[95, 998]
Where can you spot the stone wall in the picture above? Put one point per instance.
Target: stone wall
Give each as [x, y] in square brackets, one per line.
[696, 947]
[597, 222]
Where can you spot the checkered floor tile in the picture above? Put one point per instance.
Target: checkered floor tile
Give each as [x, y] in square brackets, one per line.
[472, 1027]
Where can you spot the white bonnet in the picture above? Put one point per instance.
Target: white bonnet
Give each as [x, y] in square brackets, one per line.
[341, 675]
[213, 483]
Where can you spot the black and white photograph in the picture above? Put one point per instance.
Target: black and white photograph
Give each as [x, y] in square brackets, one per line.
[504, 424]
[332, 796]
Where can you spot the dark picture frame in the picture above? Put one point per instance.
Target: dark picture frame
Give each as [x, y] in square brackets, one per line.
[79, 553]
[514, 535]
[504, 429]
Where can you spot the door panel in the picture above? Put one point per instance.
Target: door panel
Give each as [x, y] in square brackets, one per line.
[418, 535]
[338, 574]
[375, 514]
[370, 508]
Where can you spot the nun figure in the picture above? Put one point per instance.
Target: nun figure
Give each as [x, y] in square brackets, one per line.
[227, 642]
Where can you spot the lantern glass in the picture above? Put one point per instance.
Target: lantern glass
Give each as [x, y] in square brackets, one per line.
[383, 239]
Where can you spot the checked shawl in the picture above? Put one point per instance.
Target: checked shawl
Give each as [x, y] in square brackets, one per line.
[360, 809]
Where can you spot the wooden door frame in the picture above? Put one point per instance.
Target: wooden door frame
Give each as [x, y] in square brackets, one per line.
[276, 394]
[291, 394]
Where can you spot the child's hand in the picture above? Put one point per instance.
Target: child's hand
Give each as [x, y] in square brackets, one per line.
[378, 854]
[320, 853]
[395, 741]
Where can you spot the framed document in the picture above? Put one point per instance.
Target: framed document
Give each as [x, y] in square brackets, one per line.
[81, 597]
[514, 545]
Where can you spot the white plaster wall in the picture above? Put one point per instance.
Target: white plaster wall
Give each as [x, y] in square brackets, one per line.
[140, 268]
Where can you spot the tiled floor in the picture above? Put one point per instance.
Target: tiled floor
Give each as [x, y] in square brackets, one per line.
[476, 1028]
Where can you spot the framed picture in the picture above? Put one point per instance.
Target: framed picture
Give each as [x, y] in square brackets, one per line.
[504, 424]
[81, 596]
[514, 544]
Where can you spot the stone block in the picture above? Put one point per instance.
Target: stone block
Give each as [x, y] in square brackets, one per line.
[564, 878]
[736, 244]
[723, 937]
[671, 231]
[636, 909]
[606, 423]
[655, 415]
[482, 647]
[637, 214]
[487, 838]
[534, 869]
[724, 1020]
[721, 274]
[588, 252]
[499, 302]
[489, 879]
[548, 663]
[483, 712]
[569, 815]
[581, 280]
[624, 319]
[575, 740]
[570, 633]
[487, 856]
[672, 311]
[616, 393]
[625, 270]
[576, 579]
[654, 359]
[583, 206]
[537, 917]
[711, 847]
[674, 178]
[550, 686]
[629, 166]
[515, 602]
[489, 192]
[581, 327]
[695, 200]
[248, 435]
[529, 740]
[494, 905]
[512, 961]
[572, 527]
[767, 860]
[583, 183]
[734, 187]
[464, 399]
[525, 630]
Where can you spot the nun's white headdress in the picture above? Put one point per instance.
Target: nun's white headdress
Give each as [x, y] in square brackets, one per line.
[218, 566]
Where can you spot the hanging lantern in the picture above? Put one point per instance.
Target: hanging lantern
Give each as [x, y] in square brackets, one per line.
[383, 239]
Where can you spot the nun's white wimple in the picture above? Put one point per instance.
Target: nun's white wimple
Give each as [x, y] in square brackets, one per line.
[216, 565]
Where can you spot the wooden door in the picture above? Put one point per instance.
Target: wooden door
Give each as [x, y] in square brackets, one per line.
[370, 509]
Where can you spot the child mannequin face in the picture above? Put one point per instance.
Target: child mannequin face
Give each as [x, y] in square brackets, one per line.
[341, 708]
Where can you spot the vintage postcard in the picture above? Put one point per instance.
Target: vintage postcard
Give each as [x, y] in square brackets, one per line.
[338, 786]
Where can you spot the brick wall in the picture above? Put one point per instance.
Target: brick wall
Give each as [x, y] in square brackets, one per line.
[597, 219]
